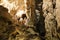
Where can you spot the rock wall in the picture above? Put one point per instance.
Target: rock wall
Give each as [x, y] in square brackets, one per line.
[43, 20]
[49, 12]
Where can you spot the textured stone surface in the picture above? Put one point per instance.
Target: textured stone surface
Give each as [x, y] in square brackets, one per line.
[42, 22]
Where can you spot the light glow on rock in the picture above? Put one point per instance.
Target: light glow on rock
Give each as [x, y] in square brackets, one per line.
[19, 13]
[8, 5]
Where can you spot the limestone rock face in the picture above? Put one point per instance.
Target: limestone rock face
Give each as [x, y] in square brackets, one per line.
[57, 17]
[29, 19]
[5, 21]
[10, 29]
